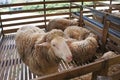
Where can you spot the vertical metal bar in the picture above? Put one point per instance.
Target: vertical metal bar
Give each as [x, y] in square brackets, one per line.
[104, 34]
[28, 76]
[23, 73]
[110, 7]
[20, 73]
[1, 34]
[81, 15]
[45, 12]
[94, 6]
[63, 64]
[70, 10]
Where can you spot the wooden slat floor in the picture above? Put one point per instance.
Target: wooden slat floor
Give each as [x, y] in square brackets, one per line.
[11, 66]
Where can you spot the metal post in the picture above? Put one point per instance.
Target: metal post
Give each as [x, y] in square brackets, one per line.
[1, 27]
[45, 13]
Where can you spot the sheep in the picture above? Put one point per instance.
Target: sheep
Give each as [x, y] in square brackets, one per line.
[83, 44]
[41, 51]
[108, 54]
[113, 68]
[25, 36]
[76, 32]
[83, 50]
[60, 23]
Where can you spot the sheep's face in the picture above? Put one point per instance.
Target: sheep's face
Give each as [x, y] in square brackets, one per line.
[61, 49]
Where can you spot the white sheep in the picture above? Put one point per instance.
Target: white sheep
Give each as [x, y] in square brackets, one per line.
[41, 51]
[83, 50]
[113, 68]
[60, 23]
[82, 43]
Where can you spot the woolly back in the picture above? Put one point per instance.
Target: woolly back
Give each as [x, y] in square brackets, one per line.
[76, 32]
[60, 23]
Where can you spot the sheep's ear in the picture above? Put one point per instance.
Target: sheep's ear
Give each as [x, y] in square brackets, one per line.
[42, 45]
[42, 48]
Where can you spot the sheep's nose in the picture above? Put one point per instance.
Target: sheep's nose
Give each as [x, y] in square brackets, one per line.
[69, 58]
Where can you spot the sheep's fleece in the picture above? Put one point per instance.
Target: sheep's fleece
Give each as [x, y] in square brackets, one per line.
[60, 23]
[28, 39]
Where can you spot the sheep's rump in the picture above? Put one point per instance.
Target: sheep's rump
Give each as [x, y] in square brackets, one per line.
[60, 23]
[83, 50]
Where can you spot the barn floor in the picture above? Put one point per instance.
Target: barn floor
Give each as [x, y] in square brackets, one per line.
[11, 66]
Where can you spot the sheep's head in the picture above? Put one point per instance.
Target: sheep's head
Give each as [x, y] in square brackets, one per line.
[54, 33]
[61, 49]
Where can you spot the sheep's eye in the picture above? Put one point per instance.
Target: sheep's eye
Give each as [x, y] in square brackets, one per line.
[53, 44]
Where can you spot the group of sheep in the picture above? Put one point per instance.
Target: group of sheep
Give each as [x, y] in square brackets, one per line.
[42, 50]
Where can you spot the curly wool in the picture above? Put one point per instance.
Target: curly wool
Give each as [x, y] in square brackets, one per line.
[60, 23]
[26, 38]
[76, 32]
[83, 44]
[83, 50]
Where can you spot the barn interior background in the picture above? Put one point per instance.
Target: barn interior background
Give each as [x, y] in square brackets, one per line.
[98, 16]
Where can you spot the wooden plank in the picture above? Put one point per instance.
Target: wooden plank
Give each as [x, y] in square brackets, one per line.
[107, 63]
[34, 3]
[22, 23]
[115, 76]
[42, 2]
[20, 4]
[105, 33]
[80, 70]
[114, 38]
[34, 10]
[22, 11]
[71, 73]
[27, 22]
[113, 46]
[15, 29]
[46, 2]
[114, 60]
[81, 19]
[114, 26]
[23, 17]
[111, 36]
[96, 28]
[110, 5]
[33, 16]
[10, 31]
